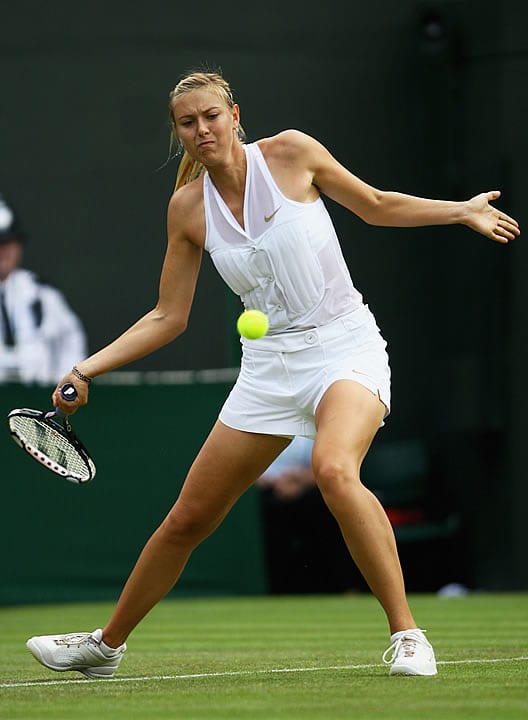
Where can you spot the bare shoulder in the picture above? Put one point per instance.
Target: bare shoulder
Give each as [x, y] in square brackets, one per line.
[288, 145]
[185, 213]
[294, 158]
[186, 197]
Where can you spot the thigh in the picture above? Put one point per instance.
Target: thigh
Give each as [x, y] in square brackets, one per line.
[347, 419]
[227, 464]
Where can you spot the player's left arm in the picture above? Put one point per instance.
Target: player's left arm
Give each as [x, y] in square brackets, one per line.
[394, 209]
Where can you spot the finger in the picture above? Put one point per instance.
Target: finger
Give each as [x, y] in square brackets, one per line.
[504, 233]
[503, 228]
[507, 218]
[68, 407]
[508, 227]
[499, 238]
[493, 195]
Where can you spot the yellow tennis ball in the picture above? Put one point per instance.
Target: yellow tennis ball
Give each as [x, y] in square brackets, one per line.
[252, 324]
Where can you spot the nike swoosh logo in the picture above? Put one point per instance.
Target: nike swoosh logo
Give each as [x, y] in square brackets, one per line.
[267, 218]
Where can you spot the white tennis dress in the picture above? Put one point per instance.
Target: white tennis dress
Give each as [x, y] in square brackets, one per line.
[287, 262]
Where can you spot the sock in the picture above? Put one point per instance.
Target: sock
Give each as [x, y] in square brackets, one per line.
[107, 650]
[399, 634]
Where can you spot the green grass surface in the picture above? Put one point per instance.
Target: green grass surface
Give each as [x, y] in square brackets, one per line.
[270, 657]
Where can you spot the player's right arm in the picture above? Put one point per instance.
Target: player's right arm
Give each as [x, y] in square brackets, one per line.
[169, 317]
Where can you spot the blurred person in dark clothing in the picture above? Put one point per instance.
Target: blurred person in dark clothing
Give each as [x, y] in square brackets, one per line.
[40, 336]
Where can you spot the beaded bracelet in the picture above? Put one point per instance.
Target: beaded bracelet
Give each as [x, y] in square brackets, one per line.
[79, 374]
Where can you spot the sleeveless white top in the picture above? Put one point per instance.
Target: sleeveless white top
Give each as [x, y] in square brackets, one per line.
[287, 261]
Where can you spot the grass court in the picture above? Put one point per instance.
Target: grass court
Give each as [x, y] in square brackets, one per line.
[294, 658]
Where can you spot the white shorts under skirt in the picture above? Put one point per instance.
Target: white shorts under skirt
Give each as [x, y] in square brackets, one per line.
[283, 377]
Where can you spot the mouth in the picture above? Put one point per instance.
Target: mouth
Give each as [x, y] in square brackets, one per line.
[206, 143]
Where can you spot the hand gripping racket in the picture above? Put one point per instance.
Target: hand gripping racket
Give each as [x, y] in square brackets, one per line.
[51, 442]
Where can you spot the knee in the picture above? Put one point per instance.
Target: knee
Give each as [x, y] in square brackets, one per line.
[335, 478]
[186, 527]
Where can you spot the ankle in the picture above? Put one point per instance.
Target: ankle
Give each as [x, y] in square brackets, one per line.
[112, 641]
[402, 624]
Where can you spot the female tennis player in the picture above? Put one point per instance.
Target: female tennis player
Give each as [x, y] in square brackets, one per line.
[321, 371]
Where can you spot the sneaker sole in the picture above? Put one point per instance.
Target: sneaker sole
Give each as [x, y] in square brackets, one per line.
[409, 671]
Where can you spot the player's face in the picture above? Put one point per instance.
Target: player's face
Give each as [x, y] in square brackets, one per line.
[10, 253]
[205, 125]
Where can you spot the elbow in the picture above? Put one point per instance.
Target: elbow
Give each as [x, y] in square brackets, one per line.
[181, 326]
[372, 213]
[170, 325]
[176, 327]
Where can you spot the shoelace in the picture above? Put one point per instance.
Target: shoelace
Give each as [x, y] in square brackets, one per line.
[406, 643]
[76, 639]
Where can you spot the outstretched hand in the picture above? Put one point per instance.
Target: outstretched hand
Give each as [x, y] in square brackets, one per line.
[487, 220]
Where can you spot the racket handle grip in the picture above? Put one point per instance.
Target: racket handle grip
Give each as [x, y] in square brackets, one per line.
[68, 393]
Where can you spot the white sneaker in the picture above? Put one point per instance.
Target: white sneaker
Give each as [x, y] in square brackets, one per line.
[84, 652]
[411, 654]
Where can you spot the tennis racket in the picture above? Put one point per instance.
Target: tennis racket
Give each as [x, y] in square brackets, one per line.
[48, 437]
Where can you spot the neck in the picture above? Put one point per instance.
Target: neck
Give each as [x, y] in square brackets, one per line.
[231, 175]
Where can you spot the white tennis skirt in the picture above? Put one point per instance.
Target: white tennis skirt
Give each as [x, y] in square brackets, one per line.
[283, 377]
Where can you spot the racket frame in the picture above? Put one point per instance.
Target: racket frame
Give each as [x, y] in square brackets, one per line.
[65, 431]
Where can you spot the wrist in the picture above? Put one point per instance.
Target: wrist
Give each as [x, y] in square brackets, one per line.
[463, 212]
[80, 375]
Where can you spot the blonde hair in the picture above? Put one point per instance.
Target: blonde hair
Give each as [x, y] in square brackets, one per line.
[190, 169]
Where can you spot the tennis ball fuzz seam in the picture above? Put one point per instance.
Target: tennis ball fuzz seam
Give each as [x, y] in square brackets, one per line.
[252, 324]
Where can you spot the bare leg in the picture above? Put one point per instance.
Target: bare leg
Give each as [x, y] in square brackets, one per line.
[228, 463]
[348, 418]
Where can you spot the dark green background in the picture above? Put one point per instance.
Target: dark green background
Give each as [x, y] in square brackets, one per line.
[62, 541]
[429, 98]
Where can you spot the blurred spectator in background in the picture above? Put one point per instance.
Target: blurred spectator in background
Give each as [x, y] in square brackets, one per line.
[40, 337]
[305, 551]
[291, 475]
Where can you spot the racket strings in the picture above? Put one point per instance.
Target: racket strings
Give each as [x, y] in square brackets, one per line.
[50, 444]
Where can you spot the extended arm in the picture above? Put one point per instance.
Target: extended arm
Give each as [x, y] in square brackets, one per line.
[378, 207]
[160, 325]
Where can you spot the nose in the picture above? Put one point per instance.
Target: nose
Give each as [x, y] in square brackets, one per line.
[203, 128]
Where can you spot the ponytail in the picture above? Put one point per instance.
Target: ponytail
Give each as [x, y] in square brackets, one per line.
[188, 170]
